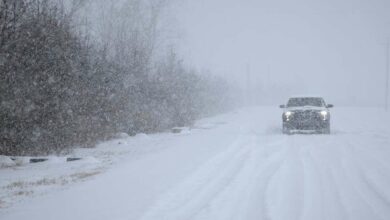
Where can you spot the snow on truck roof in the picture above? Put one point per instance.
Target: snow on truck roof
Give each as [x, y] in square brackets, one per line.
[305, 96]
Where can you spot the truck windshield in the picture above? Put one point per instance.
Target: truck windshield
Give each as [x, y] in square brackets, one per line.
[298, 102]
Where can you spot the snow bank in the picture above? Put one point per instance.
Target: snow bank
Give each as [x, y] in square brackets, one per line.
[91, 160]
[142, 136]
[181, 130]
[6, 162]
[56, 160]
[21, 160]
[122, 135]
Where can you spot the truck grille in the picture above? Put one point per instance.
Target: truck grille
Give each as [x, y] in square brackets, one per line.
[306, 115]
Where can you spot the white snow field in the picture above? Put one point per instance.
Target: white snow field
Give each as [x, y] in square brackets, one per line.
[236, 166]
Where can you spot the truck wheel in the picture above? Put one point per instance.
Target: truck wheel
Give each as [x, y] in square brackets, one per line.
[286, 130]
[326, 130]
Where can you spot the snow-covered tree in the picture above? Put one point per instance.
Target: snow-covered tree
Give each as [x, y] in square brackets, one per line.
[62, 87]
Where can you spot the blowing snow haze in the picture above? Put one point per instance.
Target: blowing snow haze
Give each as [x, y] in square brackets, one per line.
[332, 48]
[173, 110]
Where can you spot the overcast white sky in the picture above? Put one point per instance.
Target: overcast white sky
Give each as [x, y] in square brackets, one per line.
[334, 48]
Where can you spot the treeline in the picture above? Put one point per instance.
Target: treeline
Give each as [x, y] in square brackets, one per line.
[63, 85]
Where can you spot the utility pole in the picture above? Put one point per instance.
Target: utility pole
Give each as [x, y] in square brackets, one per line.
[248, 85]
[387, 74]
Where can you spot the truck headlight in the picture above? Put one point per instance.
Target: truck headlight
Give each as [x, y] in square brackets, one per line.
[324, 114]
[288, 115]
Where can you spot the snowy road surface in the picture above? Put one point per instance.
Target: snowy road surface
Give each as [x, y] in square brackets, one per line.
[238, 166]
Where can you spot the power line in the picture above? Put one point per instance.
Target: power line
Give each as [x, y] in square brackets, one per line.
[387, 74]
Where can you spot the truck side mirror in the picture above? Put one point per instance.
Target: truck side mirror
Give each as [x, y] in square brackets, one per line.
[329, 106]
[282, 106]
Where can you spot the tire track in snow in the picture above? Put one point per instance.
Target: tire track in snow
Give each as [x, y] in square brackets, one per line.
[354, 205]
[243, 198]
[284, 193]
[222, 188]
[322, 198]
[369, 186]
[313, 201]
[188, 198]
[272, 165]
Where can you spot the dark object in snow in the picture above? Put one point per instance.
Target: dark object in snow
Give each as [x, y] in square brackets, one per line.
[38, 160]
[306, 114]
[71, 159]
[177, 130]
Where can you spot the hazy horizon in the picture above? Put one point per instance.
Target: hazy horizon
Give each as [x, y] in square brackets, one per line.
[336, 49]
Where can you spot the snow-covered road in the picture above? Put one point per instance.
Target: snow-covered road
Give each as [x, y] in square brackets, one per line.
[239, 166]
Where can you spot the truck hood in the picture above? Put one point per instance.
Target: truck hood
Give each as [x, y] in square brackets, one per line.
[305, 108]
